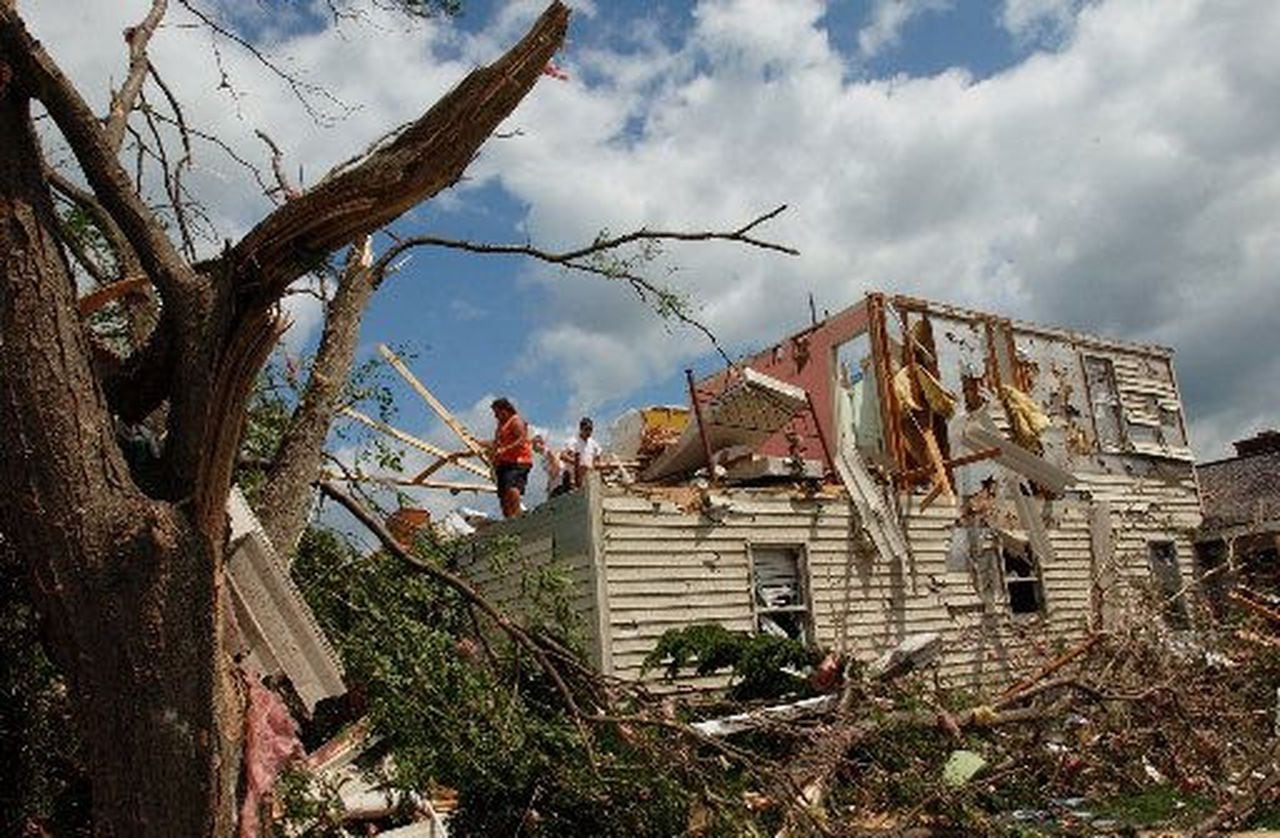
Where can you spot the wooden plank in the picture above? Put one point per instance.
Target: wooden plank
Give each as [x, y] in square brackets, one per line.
[876, 517]
[1032, 523]
[469, 439]
[1102, 541]
[409, 439]
[980, 434]
[448, 485]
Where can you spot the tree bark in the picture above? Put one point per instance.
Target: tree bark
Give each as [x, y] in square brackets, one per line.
[129, 581]
[287, 492]
[126, 585]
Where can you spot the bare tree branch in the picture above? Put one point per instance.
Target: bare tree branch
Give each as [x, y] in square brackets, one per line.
[75, 244]
[172, 177]
[427, 157]
[219, 143]
[573, 258]
[177, 282]
[123, 100]
[580, 259]
[286, 188]
[301, 89]
[126, 260]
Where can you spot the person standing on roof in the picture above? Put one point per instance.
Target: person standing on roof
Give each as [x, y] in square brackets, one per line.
[511, 454]
[585, 452]
[550, 465]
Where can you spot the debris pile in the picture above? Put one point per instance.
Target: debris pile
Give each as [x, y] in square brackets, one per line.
[1138, 727]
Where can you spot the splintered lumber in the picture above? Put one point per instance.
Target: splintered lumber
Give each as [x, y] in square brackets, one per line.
[95, 300]
[439, 464]
[1050, 668]
[448, 485]
[1032, 523]
[876, 517]
[469, 439]
[1253, 602]
[941, 482]
[981, 434]
[411, 440]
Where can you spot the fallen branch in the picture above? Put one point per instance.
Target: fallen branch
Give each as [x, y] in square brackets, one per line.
[1241, 807]
[1052, 667]
[517, 634]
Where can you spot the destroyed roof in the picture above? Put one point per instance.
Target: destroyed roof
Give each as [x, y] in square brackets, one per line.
[960, 312]
[1243, 490]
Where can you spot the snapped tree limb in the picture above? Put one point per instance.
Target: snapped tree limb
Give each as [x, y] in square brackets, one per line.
[429, 156]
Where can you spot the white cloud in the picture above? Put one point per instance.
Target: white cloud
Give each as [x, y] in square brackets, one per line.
[889, 17]
[1103, 186]
[1039, 20]
[1124, 183]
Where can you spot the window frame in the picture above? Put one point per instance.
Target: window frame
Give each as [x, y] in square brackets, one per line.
[803, 579]
[1175, 611]
[1036, 580]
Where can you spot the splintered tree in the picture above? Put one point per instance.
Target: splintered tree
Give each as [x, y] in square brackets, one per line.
[123, 542]
[127, 577]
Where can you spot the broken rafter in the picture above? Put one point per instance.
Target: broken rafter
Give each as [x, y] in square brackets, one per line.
[410, 440]
[980, 434]
[955, 462]
[469, 439]
[448, 485]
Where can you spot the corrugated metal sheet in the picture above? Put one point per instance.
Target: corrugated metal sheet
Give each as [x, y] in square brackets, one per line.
[281, 633]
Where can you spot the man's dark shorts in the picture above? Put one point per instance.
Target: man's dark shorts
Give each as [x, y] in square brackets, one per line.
[512, 476]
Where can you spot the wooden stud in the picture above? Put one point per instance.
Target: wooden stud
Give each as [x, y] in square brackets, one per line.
[410, 440]
[469, 439]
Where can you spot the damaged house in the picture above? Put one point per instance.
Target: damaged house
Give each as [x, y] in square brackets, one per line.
[1241, 497]
[901, 467]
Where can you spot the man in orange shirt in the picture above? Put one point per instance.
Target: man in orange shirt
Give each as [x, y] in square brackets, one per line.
[512, 456]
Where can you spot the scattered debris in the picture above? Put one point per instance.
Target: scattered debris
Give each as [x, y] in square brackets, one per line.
[278, 633]
[961, 767]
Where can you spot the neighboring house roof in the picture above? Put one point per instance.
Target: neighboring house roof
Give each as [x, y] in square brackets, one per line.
[1243, 491]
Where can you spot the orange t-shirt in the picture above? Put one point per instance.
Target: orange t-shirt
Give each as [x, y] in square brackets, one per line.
[512, 443]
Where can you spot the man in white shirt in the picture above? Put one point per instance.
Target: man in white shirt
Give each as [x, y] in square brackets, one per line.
[584, 452]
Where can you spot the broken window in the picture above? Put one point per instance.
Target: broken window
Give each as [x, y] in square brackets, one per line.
[779, 592]
[857, 401]
[1100, 376]
[1171, 427]
[1164, 568]
[1022, 578]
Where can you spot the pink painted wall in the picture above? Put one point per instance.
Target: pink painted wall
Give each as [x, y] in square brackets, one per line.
[814, 371]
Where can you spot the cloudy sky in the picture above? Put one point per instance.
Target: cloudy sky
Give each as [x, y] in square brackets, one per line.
[1110, 165]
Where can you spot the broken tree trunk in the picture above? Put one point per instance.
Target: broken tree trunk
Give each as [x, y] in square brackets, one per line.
[287, 493]
[128, 582]
[126, 585]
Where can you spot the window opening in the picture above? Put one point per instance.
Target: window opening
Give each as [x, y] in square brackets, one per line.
[1100, 375]
[1022, 578]
[857, 400]
[780, 594]
[1164, 567]
[1171, 427]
